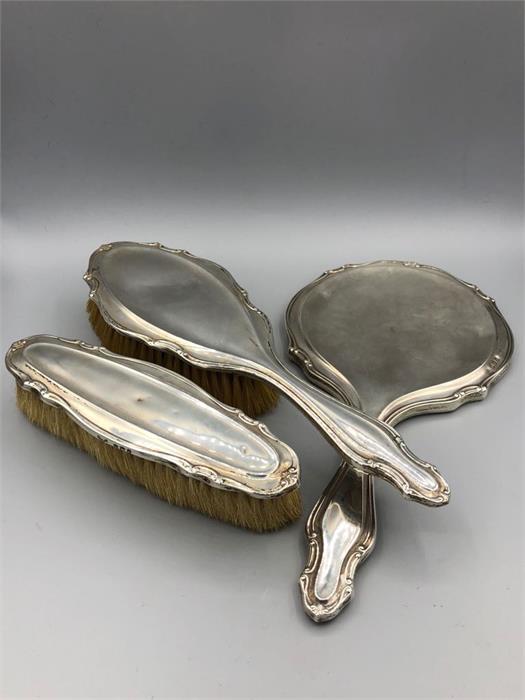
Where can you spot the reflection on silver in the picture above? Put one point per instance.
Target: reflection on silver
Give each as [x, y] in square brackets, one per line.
[155, 414]
[172, 300]
[338, 533]
[396, 339]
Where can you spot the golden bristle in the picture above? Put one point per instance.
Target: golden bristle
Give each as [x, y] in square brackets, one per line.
[252, 396]
[236, 508]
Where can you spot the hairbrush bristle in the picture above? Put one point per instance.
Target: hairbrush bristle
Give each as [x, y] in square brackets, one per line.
[236, 508]
[252, 396]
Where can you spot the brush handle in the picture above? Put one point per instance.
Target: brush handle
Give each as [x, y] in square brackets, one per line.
[369, 445]
[341, 533]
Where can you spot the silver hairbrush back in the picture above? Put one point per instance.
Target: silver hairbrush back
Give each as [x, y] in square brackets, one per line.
[173, 301]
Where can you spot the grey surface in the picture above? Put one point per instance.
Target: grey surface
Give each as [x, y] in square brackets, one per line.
[346, 132]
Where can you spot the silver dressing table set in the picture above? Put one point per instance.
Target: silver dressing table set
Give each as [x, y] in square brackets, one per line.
[378, 343]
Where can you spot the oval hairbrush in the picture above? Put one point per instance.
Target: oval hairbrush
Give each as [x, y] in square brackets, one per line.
[173, 301]
[395, 339]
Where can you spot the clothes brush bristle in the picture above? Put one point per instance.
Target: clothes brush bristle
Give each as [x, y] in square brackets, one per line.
[259, 515]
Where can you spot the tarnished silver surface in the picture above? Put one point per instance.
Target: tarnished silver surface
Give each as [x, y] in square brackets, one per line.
[155, 414]
[395, 339]
[174, 301]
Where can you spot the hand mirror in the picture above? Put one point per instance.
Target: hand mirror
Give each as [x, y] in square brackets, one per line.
[393, 339]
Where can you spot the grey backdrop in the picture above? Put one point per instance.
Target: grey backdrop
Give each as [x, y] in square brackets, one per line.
[279, 139]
